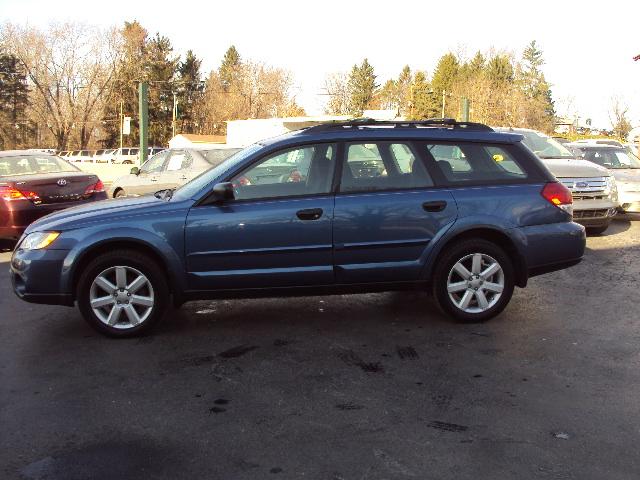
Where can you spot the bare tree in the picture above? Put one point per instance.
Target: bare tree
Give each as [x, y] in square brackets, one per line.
[337, 87]
[70, 68]
[618, 117]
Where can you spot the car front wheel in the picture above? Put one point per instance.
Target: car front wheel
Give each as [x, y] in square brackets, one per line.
[473, 280]
[122, 293]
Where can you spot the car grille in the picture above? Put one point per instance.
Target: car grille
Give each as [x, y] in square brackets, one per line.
[593, 188]
[599, 213]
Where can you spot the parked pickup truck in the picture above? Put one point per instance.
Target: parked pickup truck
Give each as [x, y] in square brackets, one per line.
[594, 190]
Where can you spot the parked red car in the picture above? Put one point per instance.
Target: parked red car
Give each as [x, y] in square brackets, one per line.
[35, 184]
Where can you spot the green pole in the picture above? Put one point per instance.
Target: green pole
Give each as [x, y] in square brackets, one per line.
[465, 109]
[143, 90]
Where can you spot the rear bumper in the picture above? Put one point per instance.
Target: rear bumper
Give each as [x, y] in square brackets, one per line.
[553, 246]
[14, 221]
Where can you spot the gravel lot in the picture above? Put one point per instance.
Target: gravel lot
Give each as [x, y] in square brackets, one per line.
[375, 386]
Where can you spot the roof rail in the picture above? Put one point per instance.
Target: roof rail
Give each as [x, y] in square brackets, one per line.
[450, 123]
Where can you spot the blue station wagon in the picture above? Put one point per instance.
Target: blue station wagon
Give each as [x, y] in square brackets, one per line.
[443, 206]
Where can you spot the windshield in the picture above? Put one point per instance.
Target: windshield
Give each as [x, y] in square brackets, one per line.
[190, 189]
[33, 164]
[545, 147]
[615, 158]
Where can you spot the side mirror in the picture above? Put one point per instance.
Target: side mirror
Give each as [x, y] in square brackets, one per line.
[135, 171]
[223, 192]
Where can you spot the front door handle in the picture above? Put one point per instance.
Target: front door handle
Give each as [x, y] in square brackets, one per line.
[154, 179]
[309, 214]
[436, 206]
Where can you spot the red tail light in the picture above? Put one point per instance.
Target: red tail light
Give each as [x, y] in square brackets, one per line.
[10, 194]
[559, 195]
[95, 188]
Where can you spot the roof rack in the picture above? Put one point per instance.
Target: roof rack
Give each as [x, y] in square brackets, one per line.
[449, 123]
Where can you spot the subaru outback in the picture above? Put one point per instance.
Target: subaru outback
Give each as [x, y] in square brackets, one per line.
[358, 206]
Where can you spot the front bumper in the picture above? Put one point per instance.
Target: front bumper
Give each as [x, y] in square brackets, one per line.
[629, 202]
[35, 276]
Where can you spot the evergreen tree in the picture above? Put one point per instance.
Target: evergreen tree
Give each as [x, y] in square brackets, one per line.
[499, 70]
[362, 87]
[445, 74]
[403, 86]
[534, 85]
[14, 101]
[423, 100]
[124, 91]
[229, 71]
[190, 88]
[160, 68]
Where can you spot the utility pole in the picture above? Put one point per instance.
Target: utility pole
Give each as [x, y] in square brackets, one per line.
[121, 122]
[143, 100]
[465, 109]
[175, 114]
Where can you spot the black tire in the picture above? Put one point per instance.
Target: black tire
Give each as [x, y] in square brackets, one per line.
[597, 230]
[120, 193]
[132, 259]
[452, 255]
[127, 162]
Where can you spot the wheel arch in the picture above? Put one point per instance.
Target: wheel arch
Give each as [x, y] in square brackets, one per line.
[491, 234]
[135, 244]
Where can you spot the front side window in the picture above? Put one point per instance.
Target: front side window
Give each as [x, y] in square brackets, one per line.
[154, 164]
[475, 163]
[382, 166]
[304, 170]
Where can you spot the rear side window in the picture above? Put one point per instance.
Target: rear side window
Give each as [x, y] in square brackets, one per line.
[476, 163]
[382, 166]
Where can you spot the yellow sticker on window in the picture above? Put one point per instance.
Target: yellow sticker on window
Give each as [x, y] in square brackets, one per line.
[498, 158]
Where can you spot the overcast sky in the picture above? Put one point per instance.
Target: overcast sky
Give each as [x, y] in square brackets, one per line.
[588, 46]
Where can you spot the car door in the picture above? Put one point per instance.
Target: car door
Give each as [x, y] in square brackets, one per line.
[148, 179]
[177, 169]
[387, 211]
[276, 233]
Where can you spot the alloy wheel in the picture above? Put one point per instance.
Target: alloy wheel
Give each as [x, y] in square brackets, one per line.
[121, 297]
[475, 283]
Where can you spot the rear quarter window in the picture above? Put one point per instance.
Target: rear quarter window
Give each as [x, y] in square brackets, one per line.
[477, 163]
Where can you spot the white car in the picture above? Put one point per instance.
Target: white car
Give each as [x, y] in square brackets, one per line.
[622, 164]
[104, 156]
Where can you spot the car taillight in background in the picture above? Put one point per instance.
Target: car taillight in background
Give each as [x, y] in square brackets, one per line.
[559, 195]
[95, 188]
[10, 194]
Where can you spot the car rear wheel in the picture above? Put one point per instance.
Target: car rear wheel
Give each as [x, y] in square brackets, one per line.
[120, 193]
[122, 293]
[473, 280]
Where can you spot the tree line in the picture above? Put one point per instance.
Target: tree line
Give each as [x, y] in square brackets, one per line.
[66, 86]
[502, 90]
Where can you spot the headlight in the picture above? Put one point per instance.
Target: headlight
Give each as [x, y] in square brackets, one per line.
[37, 240]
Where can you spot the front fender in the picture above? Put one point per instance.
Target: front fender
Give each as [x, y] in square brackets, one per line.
[94, 240]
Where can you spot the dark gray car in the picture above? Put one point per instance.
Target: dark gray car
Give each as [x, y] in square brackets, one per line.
[168, 169]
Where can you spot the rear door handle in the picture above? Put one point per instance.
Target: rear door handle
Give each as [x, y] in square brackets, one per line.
[436, 206]
[309, 214]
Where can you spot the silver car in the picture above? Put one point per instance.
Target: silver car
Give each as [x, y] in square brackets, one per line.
[168, 169]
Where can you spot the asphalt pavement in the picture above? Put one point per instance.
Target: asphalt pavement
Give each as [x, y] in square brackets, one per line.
[376, 386]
